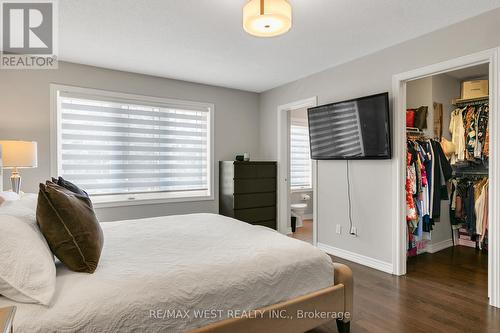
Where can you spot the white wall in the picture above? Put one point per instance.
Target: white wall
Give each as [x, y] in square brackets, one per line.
[25, 115]
[371, 180]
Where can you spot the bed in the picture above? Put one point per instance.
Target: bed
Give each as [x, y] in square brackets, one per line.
[196, 272]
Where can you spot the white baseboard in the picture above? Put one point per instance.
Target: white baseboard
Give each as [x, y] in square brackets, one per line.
[436, 247]
[307, 216]
[357, 258]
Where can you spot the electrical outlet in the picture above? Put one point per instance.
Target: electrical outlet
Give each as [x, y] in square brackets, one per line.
[354, 231]
[339, 229]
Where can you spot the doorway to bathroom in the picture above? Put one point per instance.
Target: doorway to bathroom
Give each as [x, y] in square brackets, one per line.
[296, 173]
[300, 183]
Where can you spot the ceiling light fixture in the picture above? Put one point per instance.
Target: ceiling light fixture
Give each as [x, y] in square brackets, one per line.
[267, 18]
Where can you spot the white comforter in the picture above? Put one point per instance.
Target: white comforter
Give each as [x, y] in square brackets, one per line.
[154, 269]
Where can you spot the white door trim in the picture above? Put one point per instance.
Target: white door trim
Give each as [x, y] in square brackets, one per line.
[399, 162]
[283, 211]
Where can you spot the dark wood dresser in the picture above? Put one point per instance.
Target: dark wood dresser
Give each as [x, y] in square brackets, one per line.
[247, 191]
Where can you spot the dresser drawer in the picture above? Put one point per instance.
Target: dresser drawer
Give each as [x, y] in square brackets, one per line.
[245, 171]
[254, 185]
[254, 200]
[253, 215]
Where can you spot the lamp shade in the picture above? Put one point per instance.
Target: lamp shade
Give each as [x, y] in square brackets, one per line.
[267, 18]
[19, 154]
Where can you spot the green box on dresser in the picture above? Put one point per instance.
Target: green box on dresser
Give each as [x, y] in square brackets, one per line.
[247, 191]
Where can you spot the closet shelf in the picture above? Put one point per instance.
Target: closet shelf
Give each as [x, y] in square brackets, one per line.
[470, 101]
[414, 130]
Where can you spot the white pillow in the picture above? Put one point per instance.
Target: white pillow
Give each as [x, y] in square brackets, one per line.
[8, 196]
[24, 208]
[27, 269]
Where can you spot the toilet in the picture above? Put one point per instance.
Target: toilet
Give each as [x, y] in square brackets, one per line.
[298, 209]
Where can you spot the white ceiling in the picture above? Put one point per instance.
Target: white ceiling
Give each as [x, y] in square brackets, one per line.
[470, 73]
[203, 41]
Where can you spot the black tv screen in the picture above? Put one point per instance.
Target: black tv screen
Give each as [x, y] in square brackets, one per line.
[354, 129]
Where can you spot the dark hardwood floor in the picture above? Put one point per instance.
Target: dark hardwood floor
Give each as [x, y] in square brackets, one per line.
[442, 292]
[305, 232]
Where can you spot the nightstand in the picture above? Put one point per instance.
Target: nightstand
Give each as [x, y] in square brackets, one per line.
[7, 319]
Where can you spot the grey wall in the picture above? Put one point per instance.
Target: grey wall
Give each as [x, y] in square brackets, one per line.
[371, 180]
[444, 89]
[419, 93]
[25, 115]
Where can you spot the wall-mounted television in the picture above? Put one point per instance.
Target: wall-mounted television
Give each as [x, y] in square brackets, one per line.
[354, 129]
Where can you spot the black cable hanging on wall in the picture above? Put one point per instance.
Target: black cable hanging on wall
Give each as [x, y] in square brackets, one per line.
[349, 198]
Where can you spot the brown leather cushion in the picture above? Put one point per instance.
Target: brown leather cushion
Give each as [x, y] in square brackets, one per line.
[70, 227]
[69, 186]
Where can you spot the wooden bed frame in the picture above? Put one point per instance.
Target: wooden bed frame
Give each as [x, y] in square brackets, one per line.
[335, 299]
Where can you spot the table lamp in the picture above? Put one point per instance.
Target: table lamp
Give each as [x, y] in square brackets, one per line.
[18, 155]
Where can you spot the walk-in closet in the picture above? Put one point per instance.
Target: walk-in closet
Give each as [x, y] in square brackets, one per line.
[447, 169]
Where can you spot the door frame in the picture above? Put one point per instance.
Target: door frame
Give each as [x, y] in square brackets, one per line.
[283, 200]
[399, 228]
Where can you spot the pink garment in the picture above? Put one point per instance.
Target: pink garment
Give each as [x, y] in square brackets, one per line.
[411, 210]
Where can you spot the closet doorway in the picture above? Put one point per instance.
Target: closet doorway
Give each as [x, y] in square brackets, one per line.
[447, 172]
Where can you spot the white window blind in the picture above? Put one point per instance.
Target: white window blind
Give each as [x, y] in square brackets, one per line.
[112, 146]
[300, 165]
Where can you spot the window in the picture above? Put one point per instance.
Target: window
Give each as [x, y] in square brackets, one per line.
[127, 148]
[300, 160]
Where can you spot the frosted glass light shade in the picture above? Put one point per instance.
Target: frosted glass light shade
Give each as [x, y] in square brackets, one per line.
[267, 18]
[19, 154]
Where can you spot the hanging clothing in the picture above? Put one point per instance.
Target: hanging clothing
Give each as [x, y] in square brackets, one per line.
[469, 208]
[484, 223]
[457, 130]
[486, 148]
[442, 174]
[411, 210]
[479, 206]
[469, 133]
[482, 127]
[428, 171]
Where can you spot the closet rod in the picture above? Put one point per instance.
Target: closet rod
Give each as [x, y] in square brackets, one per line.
[471, 173]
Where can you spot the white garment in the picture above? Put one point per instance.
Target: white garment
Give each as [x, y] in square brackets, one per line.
[425, 201]
[479, 208]
[457, 131]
